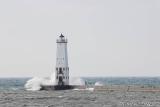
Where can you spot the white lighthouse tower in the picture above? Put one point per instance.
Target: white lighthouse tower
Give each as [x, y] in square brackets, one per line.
[62, 69]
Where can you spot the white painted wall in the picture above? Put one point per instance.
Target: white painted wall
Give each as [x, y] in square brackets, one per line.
[62, 61]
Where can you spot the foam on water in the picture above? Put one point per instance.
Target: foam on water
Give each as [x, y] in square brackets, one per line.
[90, 89]
[98, 83]
[85, 89]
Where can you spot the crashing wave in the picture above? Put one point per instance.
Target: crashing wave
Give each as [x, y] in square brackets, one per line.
[77, 81]
[98, 84]
[35, 83]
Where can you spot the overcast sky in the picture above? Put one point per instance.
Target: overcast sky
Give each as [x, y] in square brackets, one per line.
[106, 37]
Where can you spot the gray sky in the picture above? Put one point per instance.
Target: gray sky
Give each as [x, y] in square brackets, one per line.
[106, 37]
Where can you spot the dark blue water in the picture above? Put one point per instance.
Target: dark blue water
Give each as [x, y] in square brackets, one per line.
[18, 83]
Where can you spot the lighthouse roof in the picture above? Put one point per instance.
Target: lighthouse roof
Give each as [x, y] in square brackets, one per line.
[61, 39]
[61, 35]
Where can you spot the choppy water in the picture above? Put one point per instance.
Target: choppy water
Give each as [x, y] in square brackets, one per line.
[12, 83]
[18, 83]
[13, 94]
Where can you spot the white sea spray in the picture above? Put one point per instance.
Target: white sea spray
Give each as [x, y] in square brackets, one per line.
[98, 83]
[77, 81]
[35, 83]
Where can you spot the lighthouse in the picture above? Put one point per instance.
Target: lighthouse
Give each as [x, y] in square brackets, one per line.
[62, 69]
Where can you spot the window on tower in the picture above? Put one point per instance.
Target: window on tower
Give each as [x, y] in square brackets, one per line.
[60, 71]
